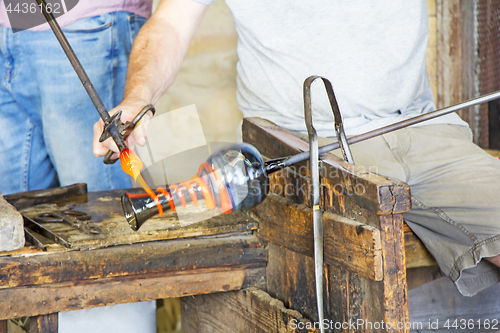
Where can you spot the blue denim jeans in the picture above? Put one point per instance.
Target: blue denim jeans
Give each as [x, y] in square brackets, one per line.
[46, 116]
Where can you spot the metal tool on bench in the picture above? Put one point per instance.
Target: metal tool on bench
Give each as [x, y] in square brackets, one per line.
[113, 126]
[314, 167]
[31, 225]
[74, 218]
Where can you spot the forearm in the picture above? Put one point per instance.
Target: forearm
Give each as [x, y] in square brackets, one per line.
[160, 48]
[155, 60]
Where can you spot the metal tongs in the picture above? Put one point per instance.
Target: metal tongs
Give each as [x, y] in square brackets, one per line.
[314, 165]
[113, 126]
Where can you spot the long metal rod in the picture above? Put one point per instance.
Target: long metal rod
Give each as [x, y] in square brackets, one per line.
[317, 215]
[82, 75]
[387, 129]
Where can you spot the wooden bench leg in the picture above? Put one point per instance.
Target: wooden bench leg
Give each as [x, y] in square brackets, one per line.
[44, 324]
[3, 326]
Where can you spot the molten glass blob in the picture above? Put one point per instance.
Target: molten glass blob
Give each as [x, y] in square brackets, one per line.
[132, 165]
[231, 179]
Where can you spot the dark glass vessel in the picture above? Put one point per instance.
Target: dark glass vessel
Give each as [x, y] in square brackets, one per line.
[232, 178]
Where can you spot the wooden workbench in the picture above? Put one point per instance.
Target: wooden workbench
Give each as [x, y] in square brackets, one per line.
[166, 258]
[249, 271]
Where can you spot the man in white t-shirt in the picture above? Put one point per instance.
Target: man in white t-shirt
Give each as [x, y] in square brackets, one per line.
[374, 55]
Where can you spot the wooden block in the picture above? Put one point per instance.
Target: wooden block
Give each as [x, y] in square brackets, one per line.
[44, 324]
[378, 194]
[3, 326]
[417, 254]
[68, 296]
[348, 243]
[249, 310]
[106, 212]
[11, 227]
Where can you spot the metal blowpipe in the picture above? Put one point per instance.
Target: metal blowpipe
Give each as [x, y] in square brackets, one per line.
[287, 161]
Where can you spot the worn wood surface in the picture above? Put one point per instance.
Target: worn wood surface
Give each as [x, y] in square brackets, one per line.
[67, 296]
[153, 258]
[106, 212]
[353, 193]
[166, 258]
[417, 254]
[349, 183]
[44, 324]
[440, 301]
[251, 310]
[421, 275]
[347, 242]
[3, 326]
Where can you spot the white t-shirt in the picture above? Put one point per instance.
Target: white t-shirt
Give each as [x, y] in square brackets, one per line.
[373, 52]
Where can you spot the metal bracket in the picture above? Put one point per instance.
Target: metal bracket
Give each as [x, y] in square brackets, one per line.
[124, 128]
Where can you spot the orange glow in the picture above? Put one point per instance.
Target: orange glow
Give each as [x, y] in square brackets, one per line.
[132, 165]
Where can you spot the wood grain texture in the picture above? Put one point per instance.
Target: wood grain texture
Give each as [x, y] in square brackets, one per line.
[395, 288]
[345, 179]
[67, 296]
[106, 212]
[417, 254]
[132, 260]
[44, 324]
[348, 243]
[249, 310]
[372, 202]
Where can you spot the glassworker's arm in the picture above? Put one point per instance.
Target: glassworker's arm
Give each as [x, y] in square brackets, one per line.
[156, 57]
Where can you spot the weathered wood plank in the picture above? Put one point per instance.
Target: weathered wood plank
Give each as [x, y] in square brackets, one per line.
[377, 193]
[44, 324]
[3, 326]
[395, 284]
[105, 209]
[417, 254]
[67, 296]
[133, 260]
[290, 278]
[348, 243]
[422, 275]
[249, 310]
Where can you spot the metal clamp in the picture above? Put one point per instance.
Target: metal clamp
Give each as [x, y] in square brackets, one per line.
[124, 128]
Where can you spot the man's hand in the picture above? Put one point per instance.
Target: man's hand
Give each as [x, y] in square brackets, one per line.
[155, 60]
[138, 135]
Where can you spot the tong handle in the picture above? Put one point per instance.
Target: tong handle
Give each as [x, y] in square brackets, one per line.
[127, 128]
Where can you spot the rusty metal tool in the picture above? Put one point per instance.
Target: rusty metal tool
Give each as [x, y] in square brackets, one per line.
[74, 218]
[40, 229]
[113, 125]
[314, 166]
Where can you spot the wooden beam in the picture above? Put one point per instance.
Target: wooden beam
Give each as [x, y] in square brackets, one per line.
[417, 254]
[249, 310]
[44, 324]
[347, 243]
[135, 260]
[348, 182]
[67, 296]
